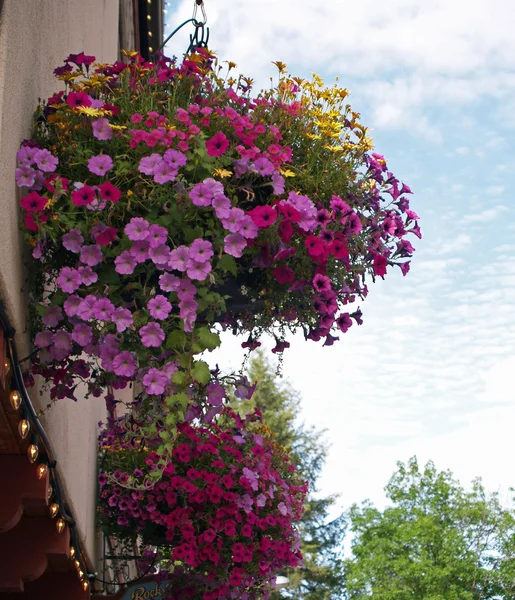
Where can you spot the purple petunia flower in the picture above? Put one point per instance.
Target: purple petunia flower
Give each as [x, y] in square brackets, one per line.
[45, 160]
[26, 154]
[201, 195]
[160, 255]
[88, 275]
[248, 229]
[222, 206]
[53, 316]
[102, 129]
[25, 176]
[234, 245]
[140, 250]
[169, 282]
[82, 334]
[179, 258]
[164, 172]
[69, 280]
[198, 270]
[73, 240]
[277, 183]
[71, 305]
[233, 222]
[125, 263]
[201, 250]
[137, 229]
[159, 307]
[43, 339]
[86, 308]
[263, 166]
[99, 165]
[62, 340]
[103, 309]
[156, 235]
[148, 163]
[152, 336]
[91, 255]
[155, 382]
[122, 318]
[175, 158]
[124, 364]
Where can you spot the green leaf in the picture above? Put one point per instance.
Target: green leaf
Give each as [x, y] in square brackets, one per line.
[201, 372]
[181, 400]
[179, 377]
[228, 265]
[207, 338]
[176, 340]
[109, 275]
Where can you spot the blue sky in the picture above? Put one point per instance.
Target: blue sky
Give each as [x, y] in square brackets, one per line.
[431, 371]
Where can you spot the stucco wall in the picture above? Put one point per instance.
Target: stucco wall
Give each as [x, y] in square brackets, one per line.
[35, 37]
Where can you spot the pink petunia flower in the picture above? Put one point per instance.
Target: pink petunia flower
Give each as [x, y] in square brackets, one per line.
[45, 160]
[91, 255]
[137, 229]
[125, 263]
[33, 202]
[159, 307]
[124, 364]
[234, 244]
[73, 240]
[25, 176]
[102, 129]
[82, 334]
[201, 250]
[109, 192]
[69, 280]
[122, 318]
[179, 258]
[155, 382]
[83, 196]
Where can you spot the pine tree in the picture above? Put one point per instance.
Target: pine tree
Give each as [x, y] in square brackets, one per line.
[322, 576]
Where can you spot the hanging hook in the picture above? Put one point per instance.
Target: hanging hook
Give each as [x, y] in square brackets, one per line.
[196, 5]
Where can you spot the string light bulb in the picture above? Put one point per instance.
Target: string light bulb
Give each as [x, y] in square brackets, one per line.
[72, 552]
[23, 428]
[32, 453]
[60, 525]
[76, 563]
[85, 585]
[15, 398]
[42, 470]
[54, 510]
[81, 574]
[7, 366]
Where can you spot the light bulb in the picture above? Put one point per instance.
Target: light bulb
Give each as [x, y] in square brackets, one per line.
[15, 399]
[81, 574]
[150, 49]
[32, 453]
[23, 428]
[72, 551]
[54, 509]
[60, 525]
[149, 17]
[42, 470]
[149, 34]
[7, 366]
[76, 563]
[85, 585]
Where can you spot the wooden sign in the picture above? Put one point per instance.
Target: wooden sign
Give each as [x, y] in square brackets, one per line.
[150, 588]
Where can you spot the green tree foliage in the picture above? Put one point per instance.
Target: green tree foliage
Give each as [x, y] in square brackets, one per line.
[322, 576]
[435, 541]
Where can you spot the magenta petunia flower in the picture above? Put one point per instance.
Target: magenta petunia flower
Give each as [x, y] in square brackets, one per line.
[69, 280]
[344, 322]
[155, 382]
[263, 216]
[33, 202]
[109, 192]
[73, 240]
[83, 196]
[45, 160]
[152, 336]
[102, 129]
[125, 263]
[122, 318]
[99, 165]
[234, 244]
[137, 229]
[201, 250]
[124, 364]
[106, 236]
[159, 307]
[75, 99]
[136, 118]
[179, 258]
[321, 283]
[82, 334]
[217, 145]
[25, 176]
[91, 255]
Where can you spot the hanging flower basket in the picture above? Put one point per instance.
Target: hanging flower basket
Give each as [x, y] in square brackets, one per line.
[222, 514]
[164, 199]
